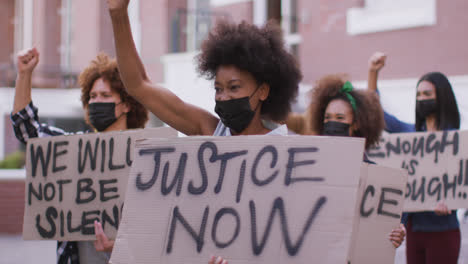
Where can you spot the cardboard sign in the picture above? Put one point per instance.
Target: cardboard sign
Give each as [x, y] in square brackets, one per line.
[73, 180]
[255, 199]
[436, 163]
[378, 212]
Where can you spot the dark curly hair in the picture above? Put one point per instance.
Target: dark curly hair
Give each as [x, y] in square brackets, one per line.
[105, 67]
[368, 115]
[259, 51]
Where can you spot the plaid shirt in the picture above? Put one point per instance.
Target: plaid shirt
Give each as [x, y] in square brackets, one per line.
[26, 125]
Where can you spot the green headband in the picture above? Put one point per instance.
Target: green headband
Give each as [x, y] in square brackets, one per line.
[346, 89]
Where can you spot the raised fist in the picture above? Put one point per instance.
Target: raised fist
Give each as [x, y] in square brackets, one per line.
[377, 61]
[27, 60]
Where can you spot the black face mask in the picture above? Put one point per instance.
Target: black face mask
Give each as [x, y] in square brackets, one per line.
[101, 115]
[333, 128]
[425, 107]
[236, 113]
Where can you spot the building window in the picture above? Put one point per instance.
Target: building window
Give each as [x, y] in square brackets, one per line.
[8, 32]
[23, 24]
[385, 15]
[285, 12]
[190, 21]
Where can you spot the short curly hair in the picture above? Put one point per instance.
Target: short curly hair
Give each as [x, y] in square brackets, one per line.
[105, 67]
[259, 51]
[368, 115]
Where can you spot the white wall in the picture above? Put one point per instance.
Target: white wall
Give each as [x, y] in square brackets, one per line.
[398, 97]
[51, 103]
[180, 77]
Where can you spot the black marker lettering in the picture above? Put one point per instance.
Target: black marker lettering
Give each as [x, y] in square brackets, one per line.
[383, 201]
[420, 192]
[84, 185]
[38, 154]
[70, 228]
[454, 142]
[156, 152]
[447, 185]
[88, 153]
[201, 164]
[240, 185]
[393, 148]
[437, 190]
[57, 153]
[49, 191]
[129, 150]
[37, 194]
[104, 190]
[278, 205]
[60, 184]
[103, 156]
[107, 219]
[224, 159]
[111, 157]
[370, 189]
[293, 164]
[214, 228]
[435, 147]
[274, 159]
[86, 222]
[199, 238]
[406, 146]
[466, 173]
[418, 146]
[178, 177]
[51, 214]
[62, 224]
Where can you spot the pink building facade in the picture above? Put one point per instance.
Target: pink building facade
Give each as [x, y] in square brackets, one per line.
[327, 36]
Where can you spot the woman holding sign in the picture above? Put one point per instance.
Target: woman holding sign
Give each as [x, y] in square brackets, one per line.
[254, 76]
[433, 237]
[339, 110]
[108, 108]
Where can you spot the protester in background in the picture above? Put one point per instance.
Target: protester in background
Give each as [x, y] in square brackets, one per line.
[337, 109]
[433, 237]
[108, 108]
[254, 76]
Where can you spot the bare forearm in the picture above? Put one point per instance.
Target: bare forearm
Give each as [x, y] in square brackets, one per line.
[372, 80]
[130, 66]
[163, 103]
[22, 92]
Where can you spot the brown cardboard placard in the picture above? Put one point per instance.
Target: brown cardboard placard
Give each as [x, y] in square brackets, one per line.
[73, 180]
[378, 211]
[437, 165]
[190, 198]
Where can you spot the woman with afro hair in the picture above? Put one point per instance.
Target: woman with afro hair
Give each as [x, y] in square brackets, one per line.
[337, 109]
[255, 79]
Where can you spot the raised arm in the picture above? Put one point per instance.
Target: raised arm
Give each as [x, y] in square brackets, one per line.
[25, 115]
[184, 117]
[376, 63]
[392, 124]
[26, 62]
